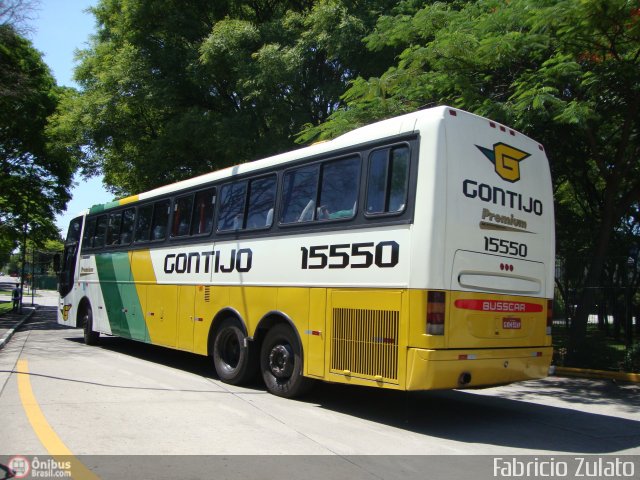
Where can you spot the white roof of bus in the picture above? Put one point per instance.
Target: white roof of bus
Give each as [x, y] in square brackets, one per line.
[374, 131]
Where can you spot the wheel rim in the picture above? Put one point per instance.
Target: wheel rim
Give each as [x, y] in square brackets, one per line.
[281, 361]
[230, 349]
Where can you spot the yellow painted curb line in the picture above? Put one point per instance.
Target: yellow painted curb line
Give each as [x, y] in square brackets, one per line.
[588, 373]
[47, 436]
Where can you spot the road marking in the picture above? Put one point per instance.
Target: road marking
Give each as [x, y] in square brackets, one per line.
[47, 436]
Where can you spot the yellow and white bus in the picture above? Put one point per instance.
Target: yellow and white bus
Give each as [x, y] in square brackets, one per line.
[414, 253]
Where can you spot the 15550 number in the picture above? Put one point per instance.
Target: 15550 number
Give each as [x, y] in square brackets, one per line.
[352, 255]
[495, 245]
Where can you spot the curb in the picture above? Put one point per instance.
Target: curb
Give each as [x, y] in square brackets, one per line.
[7, 336]
[588, 373]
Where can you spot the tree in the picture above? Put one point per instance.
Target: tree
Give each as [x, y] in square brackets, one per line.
[173, 89]
[36, 176]
[565, 72]
[17, 13]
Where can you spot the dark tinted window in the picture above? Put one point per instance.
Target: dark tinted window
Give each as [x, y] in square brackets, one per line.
[182, 216]
[262, 198]
[89, 230]
[128, 220]
[143, 223]
[160, 220]
[339, 189]
[113, 233]
[202, 220]
[337, 196]
[232, 198]
[388, 180]
[101, 232]
[73, 234]
[300, 191]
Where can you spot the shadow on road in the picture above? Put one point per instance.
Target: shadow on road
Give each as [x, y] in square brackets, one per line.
[507, 417]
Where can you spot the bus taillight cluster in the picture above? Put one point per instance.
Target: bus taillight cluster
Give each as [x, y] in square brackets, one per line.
[435, 312]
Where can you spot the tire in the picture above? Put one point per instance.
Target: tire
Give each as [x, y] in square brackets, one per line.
[281, 363]
[90, 337]
[234, 363]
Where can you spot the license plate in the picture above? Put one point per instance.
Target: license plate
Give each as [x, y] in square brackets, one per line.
[511, 323]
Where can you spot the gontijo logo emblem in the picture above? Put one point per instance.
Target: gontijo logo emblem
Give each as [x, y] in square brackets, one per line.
[506, 160]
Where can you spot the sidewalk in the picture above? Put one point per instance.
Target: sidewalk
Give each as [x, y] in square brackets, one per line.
[11, 321]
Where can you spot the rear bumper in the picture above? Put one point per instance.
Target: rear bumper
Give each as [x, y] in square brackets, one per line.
[445, 369]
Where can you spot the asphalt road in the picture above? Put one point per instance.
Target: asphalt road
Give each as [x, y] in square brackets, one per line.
[127, 398]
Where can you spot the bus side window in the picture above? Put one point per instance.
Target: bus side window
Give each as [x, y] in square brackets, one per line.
[113, 233]
[87, 237]
[299, 194]
[339, 190]
[202, 220]
[262, 197]
[143, 223]
[101, 232]
[388, 180]
[182, 216]
[160, 220]
[232, 200]
[128, 220]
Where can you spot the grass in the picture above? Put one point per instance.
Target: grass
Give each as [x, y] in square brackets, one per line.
[600, 351]
[5, 307]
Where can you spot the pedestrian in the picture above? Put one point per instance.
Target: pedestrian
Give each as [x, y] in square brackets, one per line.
[15, 296]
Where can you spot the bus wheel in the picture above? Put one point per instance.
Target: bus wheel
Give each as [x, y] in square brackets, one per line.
[281, 363]
[90, 337]
[234, 362]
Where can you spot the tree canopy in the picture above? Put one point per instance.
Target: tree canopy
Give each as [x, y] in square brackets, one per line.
[36, 176]
[175, 89]
[566, 72]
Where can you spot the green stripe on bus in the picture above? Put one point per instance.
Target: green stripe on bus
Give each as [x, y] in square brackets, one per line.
[121, 298]
[103, 206]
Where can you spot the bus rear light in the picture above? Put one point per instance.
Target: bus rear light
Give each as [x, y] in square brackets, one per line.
[549, 316]
[435, 313]
[536, 354]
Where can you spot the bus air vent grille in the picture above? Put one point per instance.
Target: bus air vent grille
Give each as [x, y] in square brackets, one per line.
[207, 294]
[365, 343]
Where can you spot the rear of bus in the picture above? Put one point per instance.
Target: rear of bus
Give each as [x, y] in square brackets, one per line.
[490, 248]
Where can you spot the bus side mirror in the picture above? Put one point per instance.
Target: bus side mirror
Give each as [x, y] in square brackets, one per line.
[56, 263]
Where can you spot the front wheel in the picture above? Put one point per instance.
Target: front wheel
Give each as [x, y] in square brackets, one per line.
[234, 362]
[281, 363]
[90, 337]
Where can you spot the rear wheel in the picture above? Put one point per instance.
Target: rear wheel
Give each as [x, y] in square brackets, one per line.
[281, 363]
[90, 337]
[234, 362]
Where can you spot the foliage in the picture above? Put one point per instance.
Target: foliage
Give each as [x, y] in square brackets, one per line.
[566, 72]
[36, 175]
[173, 89]
[632, 359]
[17, 13]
